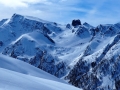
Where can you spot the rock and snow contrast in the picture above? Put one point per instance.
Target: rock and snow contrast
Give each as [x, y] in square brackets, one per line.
[82, 55]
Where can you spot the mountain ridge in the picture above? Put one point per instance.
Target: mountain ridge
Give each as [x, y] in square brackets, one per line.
[72, 53]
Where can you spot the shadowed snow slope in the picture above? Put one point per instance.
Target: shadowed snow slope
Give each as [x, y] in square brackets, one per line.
[18, 75]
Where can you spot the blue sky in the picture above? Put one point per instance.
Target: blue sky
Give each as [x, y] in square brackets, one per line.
[64, 11]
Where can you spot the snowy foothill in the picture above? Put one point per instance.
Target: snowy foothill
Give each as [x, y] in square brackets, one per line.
[18, 75]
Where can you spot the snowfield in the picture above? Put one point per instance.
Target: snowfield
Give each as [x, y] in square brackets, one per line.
[18, 75]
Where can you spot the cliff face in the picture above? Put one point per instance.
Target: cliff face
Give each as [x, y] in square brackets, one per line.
[98, 68]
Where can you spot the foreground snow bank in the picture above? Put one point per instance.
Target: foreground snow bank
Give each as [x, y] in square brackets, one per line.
[18, 75]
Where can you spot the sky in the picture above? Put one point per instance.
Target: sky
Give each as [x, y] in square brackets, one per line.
[94, 12]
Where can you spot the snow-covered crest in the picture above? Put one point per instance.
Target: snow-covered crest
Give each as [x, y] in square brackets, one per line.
[84, 55]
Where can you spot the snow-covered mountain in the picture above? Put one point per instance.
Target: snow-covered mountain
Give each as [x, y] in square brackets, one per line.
[85, 56]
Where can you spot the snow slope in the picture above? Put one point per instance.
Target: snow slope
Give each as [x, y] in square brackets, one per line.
[24, 68]
[18, 75]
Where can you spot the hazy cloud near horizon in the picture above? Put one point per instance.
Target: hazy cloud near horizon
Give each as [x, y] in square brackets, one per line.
[63, 11]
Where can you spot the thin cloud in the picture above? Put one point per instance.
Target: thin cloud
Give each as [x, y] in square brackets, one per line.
[91, 11]
[13, 3]
[21, 3]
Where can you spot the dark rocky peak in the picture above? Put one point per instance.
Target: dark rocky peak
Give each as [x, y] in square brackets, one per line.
[76, 22]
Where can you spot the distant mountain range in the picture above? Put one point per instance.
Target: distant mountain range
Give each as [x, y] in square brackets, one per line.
[87, 57]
